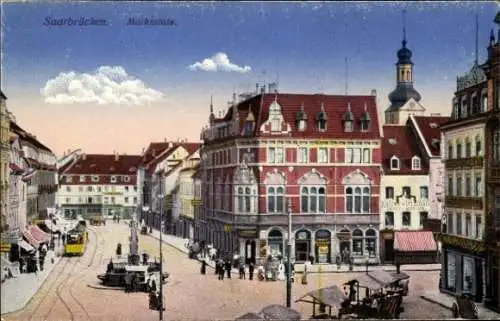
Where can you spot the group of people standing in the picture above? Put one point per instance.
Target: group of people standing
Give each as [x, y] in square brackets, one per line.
[224, 267]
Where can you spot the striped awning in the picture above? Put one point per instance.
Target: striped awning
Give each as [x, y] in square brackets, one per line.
[31, 240]
[414, 241]
[38, 234]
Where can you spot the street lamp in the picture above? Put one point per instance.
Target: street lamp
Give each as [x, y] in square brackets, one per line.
[289, 263]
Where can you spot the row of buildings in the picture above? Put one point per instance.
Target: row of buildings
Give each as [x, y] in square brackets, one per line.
[28, 183]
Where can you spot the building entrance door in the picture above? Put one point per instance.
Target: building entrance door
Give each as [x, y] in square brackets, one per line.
[301, 251]
[389, 250]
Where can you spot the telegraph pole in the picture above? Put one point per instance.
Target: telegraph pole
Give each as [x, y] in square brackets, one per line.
[162, 226]
[289, 262]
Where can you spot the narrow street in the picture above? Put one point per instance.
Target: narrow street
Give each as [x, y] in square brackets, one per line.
[188, 294]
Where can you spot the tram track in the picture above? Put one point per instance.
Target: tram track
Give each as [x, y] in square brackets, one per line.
[67, 282]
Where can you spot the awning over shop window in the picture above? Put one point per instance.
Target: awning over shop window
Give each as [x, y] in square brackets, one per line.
[38, 234]
[26, 246]
[414, 241]
[33, 241]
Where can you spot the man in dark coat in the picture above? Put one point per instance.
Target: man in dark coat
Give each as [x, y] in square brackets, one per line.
[227, 265]
[251, 268]
[221, 269]
[203, 269]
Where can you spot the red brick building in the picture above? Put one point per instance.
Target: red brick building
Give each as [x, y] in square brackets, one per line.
[318, 153]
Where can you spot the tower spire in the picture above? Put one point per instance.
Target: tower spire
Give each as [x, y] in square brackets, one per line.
[211, 104]
[477, 40]
[404, 28]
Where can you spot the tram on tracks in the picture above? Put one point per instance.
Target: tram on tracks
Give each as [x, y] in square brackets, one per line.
[76, 240]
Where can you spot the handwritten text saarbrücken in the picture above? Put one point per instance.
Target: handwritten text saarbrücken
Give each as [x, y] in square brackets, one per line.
[75, 21]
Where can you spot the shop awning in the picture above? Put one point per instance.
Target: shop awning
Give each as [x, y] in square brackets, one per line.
[26, 246]
[414, 241]
[51, 226]
[38, 234]
[33, 241]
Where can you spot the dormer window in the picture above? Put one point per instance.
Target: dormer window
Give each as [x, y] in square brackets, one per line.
[301, 119]
[95, 178]
[69, 178]
[113, 179]
[416, 163]
[275, 116]
[126, 178]
[322, 119]
[394, 163]
[365, 120]
[82, 178]
[348, 120]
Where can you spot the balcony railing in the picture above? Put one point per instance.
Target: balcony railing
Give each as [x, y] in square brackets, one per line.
[472, 203]
[297, 219]
[469, 162]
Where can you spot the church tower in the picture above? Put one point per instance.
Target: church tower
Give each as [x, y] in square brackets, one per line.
[404, 85]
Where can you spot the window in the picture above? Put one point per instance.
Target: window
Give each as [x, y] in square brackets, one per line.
[389, 219]
[135, 200]
[275, 155]
[459, 150]
[394, 163]
[423, 218]
[106, 200]
[113, 179]
[479, 151]
[82, 178]
[348, 155]
[365, 125]
[89, 200]
[371, 242]
[406, 219]
[275, 199]
[415, 163]
[479, 227]
[424, 192]
[89, 189]
[468, 148]
[80, 188]
[450, 224]
[389, 192]
[468, 187]
[303, 155]
[366, 156]
[459, 224]
[67, 200]
[357, 199]
[450, 185]
[450, 150]
[406, 192]
[459, 185]
[126, 188]
[353, 155]
[68, 188]
[357, 242]
[348, 126]
[113, 200]
[322, 125]
[99, 189]
[312, 199]
[468, 225]
[125, 200]
[357, 155]
[68, 179]
[323, 155]
[245, 199]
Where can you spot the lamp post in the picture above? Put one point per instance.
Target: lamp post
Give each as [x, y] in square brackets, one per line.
[162, 223]
[289, 262]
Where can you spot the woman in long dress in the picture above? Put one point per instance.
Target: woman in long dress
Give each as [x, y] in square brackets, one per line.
[304, 275]
[203, 269]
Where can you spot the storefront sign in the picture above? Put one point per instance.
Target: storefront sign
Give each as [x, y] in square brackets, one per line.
[401, 204]
[4, 248]
[468, 244]
[344, 235]
[323, 243]
[247, 233]
[388, 235]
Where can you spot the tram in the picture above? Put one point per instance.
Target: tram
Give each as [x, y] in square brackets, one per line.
[76, 240]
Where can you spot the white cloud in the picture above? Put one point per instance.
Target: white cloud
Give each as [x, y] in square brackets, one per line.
[219, 62]
[107, 85]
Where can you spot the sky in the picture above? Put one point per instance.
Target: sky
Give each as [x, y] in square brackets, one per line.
[111, 86]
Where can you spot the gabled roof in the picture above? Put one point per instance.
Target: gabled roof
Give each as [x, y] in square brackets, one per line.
[27, 137]
[430, 128]
[191, 148]
[335, 107]
[154, 150]
[99, 164]
[401, 142]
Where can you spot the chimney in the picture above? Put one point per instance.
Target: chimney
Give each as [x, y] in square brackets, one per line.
[117, 157]
[373, 92]
[154, 152]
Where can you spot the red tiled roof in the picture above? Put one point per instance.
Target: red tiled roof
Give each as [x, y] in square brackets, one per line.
[430, 128]
[414, 241]
[154, 150]
[98, 164]
[191, 148]
[335, 107]
[400, 141]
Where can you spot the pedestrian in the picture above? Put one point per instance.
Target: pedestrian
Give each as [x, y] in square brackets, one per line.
[203, 269]
[221, 270]
[251, 268]
[228, 267]
[119, 249]
[304, 275]
[242, 271]
[128, 282]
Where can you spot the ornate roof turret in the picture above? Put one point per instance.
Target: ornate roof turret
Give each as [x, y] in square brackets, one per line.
[404, 54]
[348, 115]
[301, 114]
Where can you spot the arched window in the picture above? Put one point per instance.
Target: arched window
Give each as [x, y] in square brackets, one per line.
[321, 200]
[416, 163]
[313, 194]
[458, 149]
[304, 199]
[468, 148]
[479, 151]
[271, 199]
[348, 200]
[357, 242]
[357, 199]
[313, 199]
[275, 199]
[394, 163]
[366, 200]
[248, 198]
[371, 242]
[240, 199]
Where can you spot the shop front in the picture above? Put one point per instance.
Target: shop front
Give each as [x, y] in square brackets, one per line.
[344, 239]
[302, 245]
[463, 271]
[323, 248]
[248, 245]
[275, 243]
[415, 247]
[387, 246]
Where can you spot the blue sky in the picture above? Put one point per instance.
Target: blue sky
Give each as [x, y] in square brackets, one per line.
[305, 43]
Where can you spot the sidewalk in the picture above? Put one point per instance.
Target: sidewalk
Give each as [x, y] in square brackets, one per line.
[17, 292]
[179, 244]
[446, 301]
